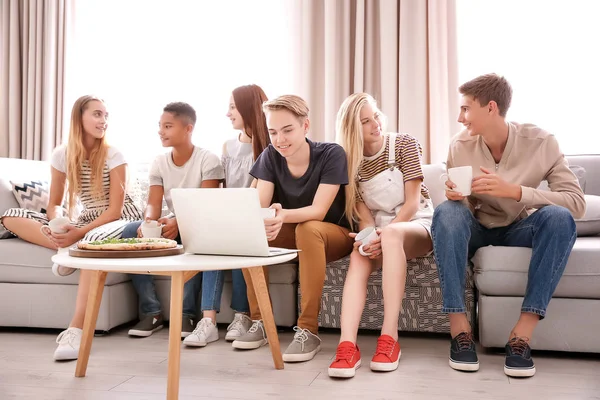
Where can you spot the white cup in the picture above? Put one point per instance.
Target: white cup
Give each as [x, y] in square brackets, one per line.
[462, 177]
[366, 236]
[55, 226]
[267, 213]
[151, 229]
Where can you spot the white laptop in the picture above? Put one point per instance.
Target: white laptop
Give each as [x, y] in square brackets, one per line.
[222, 222]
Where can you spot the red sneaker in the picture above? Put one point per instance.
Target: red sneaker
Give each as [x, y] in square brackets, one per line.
[386, 355]
[347, 360]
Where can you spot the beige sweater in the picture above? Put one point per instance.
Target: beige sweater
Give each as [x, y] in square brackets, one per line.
[531, 156]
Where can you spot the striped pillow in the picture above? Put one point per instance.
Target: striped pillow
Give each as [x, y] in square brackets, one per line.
[32, 195]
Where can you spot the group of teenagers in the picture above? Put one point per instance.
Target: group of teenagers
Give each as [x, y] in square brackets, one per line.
[323, 193]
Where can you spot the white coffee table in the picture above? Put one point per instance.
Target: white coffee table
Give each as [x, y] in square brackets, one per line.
[180, 268]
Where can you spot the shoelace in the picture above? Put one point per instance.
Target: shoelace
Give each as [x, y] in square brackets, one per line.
[344, 352]
[301, 336]
[66, 337]
[465, 341]
[385, 346]
[236, 324]
[519, 345]
[202, 326]
[254, 327]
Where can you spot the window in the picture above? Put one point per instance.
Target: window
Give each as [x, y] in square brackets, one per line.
[140, 55]
[545, 48]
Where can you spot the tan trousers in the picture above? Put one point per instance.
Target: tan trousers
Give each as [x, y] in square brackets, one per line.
[320, 243]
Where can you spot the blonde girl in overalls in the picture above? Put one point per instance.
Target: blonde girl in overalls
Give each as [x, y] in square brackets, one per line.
[386, 191]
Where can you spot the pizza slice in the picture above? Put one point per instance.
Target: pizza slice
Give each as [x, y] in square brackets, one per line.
[129, 244]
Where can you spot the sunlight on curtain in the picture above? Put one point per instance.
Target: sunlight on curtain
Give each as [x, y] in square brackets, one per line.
[545, 48]
[140, 55]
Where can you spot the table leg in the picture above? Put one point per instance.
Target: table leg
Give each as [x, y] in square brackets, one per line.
[177, 280]
[187, 275]
[89, 322]
[264, 303]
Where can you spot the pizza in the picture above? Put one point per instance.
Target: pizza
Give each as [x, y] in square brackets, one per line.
[129, 244]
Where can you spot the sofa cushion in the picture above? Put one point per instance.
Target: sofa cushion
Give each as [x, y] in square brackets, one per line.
[589, 225]
[421, 272]
[23, 262]
[14, 169]
[7, 201]
[432, 173]
[502, 271]
[31, 194]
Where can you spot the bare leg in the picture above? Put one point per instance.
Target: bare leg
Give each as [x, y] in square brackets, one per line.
[212, 314]
[355, 295]
[459, 323]
[399, 242]
[83, 290]
[28, 230]
[525, 326]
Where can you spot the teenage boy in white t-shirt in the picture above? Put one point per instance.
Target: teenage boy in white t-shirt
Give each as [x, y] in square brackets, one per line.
[185, 166]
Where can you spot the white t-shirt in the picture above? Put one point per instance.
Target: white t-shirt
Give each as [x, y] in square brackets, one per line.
[202, 165]
[58, 160]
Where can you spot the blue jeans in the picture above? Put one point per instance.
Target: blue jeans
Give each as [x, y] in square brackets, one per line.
[212, 288]
[549, 232]
[211, 283]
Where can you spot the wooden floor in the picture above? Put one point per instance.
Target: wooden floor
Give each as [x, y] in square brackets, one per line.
[126, 368]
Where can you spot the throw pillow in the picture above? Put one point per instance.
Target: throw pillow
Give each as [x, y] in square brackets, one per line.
[589, 225]
[32, 195]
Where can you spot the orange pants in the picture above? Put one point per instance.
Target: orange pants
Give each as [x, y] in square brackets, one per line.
[320, 243]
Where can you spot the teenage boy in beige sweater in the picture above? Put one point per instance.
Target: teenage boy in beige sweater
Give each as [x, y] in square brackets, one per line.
[509, 161]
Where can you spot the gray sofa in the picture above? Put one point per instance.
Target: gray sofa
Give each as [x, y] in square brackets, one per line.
[31, 296]
[573, 316]
[498, 275]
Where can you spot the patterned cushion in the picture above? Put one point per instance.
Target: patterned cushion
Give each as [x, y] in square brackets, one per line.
[31, 195]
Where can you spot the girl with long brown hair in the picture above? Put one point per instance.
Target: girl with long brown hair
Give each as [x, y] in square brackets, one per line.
[93, 175]
[246, 116]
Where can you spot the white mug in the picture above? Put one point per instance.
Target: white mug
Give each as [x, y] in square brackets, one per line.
[151, 229]
[366, 236]
[55, 226]
[267, 213]
[462, 177]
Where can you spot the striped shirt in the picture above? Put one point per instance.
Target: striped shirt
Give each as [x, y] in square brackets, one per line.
[93, 207]
[408, 159]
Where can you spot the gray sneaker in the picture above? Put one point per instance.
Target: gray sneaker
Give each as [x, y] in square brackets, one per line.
[147, 326]
[238, 327]
[304, 346]
[187, 326]
[253, 339]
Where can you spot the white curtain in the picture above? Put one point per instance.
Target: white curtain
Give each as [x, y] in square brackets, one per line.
[403, 52]
[34, 35]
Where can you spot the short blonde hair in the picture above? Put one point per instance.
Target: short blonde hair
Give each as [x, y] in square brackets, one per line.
[289, 102]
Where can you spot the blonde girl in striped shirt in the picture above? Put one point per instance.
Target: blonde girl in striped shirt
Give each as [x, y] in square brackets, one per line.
[93, 173]
[385, 191]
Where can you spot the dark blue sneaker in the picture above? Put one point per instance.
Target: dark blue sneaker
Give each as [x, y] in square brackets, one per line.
[518, 362]
[463, 356]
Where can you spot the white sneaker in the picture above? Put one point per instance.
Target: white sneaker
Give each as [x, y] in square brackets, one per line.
[204, 333]
[68, 344]
[240, 325]
[59, 270]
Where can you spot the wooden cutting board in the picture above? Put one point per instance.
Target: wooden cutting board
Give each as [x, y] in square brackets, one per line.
[75, 252]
